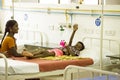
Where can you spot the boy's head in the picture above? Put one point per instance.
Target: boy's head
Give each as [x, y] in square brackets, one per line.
[79, 46]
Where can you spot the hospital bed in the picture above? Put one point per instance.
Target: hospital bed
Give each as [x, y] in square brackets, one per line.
[40, 67]
[93, 74]
[21, 68]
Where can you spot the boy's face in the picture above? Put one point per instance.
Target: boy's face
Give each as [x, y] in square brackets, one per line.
[78, 46]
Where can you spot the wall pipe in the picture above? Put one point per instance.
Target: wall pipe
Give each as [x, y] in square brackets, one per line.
[74, 13]
[20, 6]
[67, 17]
[71, 19]
[68, 9]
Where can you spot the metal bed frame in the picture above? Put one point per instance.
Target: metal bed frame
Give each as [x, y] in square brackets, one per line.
[109, 46]
[72, 69]
[7, 76]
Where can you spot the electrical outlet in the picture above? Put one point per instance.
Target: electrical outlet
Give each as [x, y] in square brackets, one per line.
[65, 25]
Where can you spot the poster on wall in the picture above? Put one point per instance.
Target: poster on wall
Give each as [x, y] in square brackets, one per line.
[97, 22]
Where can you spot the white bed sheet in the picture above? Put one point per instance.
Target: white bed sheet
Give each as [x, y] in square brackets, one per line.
[94, 53]
[18, 67]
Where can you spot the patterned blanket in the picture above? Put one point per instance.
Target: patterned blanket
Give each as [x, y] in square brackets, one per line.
[62, 58]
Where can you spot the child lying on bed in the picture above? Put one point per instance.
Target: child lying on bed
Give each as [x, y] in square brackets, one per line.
[9, 47]
[67, 50]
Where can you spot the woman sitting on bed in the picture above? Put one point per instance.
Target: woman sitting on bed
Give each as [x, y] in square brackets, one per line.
[8, 43]
[67, 50]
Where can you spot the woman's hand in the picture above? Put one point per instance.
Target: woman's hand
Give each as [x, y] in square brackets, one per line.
[27, 53]
[75, 27]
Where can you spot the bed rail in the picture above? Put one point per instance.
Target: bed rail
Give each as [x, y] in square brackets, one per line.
[70, 67]
[113, 45]
[104, 39]
[6, 65]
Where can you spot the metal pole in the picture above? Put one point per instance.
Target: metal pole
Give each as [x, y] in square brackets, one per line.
[101, 35]
[12, 9]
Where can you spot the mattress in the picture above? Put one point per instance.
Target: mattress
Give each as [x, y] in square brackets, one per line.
[18, 67]
[50, 64]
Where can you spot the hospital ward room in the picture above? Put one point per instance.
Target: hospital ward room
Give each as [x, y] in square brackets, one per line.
[59, 39]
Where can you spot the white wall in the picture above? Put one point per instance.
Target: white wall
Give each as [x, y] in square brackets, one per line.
[112, 2]
[39, 21]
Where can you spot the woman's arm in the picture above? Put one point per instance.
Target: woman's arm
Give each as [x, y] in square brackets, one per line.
[75, 27]
[16, 54]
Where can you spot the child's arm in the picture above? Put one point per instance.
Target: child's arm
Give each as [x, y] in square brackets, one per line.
[75, 27]
[69, 52]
